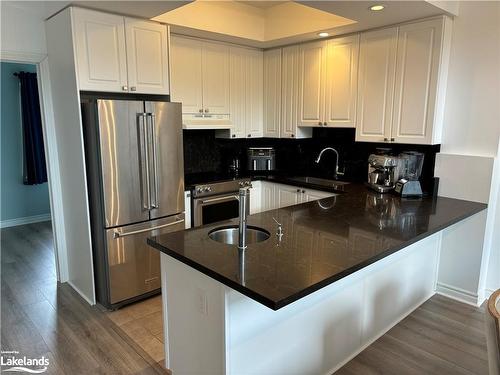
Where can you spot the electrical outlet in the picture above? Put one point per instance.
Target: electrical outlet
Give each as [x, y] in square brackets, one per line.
[202, 302]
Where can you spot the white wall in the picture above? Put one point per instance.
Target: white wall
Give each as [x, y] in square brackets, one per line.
[472, 112]
[471, 132]
[22, 31]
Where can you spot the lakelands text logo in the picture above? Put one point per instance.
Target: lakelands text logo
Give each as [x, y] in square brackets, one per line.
[11, 361]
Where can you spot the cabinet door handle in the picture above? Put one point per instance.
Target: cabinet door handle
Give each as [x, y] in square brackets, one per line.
[298, 190]
[206, 110]
[386, 139]
[200, 110]
[249, 135]
[320, 123]
[133, 88]
[234, 136]
[303, 191]
[125, 88]
[325, 124]
[292, 135]
[392, 139]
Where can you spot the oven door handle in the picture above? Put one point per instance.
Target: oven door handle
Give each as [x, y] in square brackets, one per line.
[219, 199]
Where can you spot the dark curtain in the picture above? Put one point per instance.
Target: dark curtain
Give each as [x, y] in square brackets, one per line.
[34, 153]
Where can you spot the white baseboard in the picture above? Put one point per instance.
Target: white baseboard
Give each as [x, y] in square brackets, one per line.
[457, 294]
[24, 220]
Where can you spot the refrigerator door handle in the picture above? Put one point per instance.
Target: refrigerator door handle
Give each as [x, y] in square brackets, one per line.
[143, 136]
[152, 124]
[118, 234]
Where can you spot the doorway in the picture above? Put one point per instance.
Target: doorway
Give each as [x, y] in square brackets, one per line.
[23, 175]
[35, 63]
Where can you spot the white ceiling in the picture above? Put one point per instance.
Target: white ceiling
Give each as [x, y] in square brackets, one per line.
[358, 11]
[263, 4]
[138, 8]
[395, 12]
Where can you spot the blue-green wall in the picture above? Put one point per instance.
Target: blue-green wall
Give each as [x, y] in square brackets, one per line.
[18, 200]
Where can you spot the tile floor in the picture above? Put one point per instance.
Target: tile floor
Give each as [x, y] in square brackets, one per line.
[143, 323]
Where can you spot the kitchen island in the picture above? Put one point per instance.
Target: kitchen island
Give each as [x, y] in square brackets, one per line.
[346, 270]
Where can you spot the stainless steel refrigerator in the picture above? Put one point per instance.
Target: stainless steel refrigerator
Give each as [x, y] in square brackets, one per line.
[135, 175]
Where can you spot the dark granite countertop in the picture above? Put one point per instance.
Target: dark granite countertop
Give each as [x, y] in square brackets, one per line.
[323, 241]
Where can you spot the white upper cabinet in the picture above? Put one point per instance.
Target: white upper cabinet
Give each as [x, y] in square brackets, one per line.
[290, 86]
[328, 82]
[100, 51]
[186, 68]
[312, 80]
[147, 56]
[255, 90]
[118, 54]
[341, 82]
[402, 82]
[377, 65]
[246, 86]
[417, 116]
[272, 93]
[201, 81]
[215, 78]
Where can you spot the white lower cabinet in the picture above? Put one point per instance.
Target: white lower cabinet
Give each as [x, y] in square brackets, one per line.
[187, 209]
[265, 196]
[256, 197]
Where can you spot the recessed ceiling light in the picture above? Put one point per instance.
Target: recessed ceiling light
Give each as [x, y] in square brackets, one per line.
[323, 34]
[376, 8]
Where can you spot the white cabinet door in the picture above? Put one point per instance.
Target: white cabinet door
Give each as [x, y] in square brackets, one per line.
[100, 51]
[186, 80]
[256, 197]
[254, 90]
[187, 209]
[246, 86]
[287, 195]
[238, 76]
[341, 87]
[269, 196]
[419, 49]
[311, 83]
[272, 93]
[215, 78]
[147, 57]
[377, 63]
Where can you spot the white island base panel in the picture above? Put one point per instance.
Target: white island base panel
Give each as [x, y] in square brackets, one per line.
[213, 329]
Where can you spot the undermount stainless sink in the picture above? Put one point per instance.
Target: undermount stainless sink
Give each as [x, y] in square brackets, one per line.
[229, 235]
[319, 181]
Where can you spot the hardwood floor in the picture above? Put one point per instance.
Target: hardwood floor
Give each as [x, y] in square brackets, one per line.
[441, 337]
[41, 318]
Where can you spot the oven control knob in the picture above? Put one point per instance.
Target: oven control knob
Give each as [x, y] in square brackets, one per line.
[207, 189]
[241, 183]
[199, 190]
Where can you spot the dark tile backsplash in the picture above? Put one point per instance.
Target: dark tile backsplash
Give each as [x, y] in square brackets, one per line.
[203, 153]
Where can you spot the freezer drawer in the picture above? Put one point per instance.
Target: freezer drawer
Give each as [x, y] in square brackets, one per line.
[134, 267]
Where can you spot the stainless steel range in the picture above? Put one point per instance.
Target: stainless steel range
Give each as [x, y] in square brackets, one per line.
[217, 201]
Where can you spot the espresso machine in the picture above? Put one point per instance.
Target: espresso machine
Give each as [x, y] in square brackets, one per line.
[261, 158]
[383, 172]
